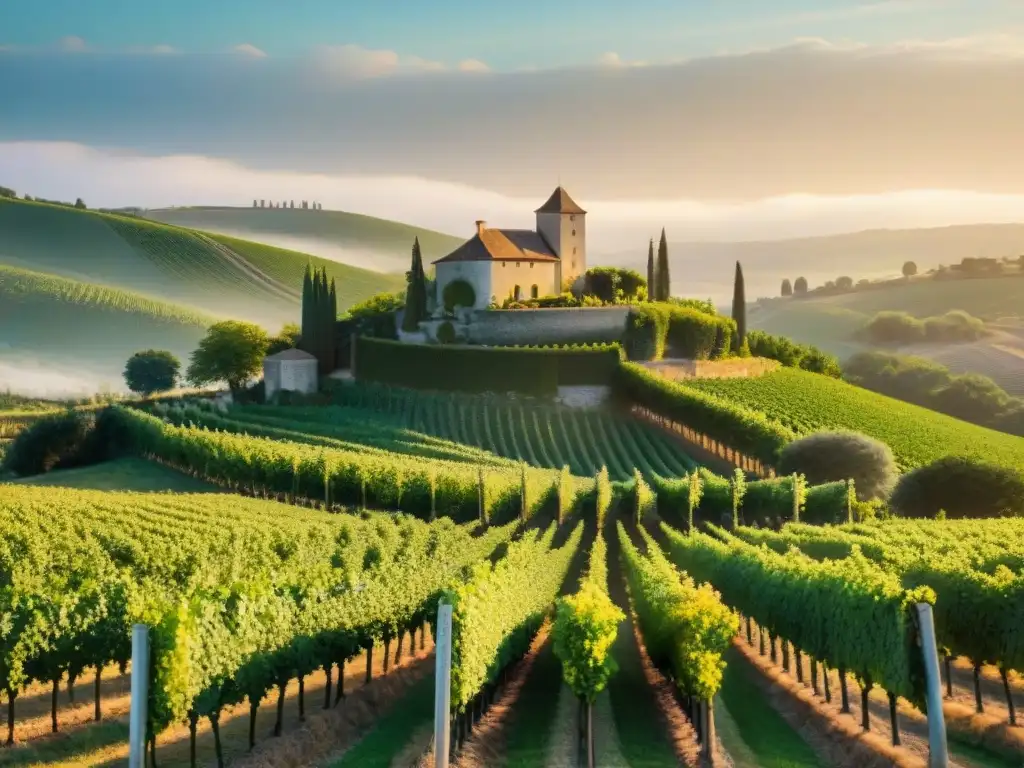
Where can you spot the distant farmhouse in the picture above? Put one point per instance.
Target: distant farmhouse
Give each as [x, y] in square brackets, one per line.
[521, 263]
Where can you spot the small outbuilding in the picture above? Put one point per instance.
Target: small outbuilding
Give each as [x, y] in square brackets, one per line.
[292, 370]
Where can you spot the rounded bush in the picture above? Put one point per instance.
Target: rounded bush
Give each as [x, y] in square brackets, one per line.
[51, 442]
[828, 457]
[458, 293]
[446, 333]
[960, 487]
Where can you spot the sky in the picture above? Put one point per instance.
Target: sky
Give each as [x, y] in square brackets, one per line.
[737, 119]
[506, 36]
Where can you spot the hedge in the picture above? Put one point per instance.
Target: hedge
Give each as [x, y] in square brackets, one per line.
[747, 431]
[763, 503]
[657, 330]
[526, 370]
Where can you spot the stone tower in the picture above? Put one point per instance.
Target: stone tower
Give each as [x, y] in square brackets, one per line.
[562, 224]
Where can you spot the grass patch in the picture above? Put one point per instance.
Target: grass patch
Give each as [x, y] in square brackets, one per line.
[68, 748]
[643, 740]
[978, 757]
[131, 474]
[762, 729]
[392, 731]
[535, 712]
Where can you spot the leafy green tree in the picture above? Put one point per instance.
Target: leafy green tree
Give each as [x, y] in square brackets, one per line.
[288, 338]
[652, 293]
[739, 309]
[416, 292]
[80, 203]
[231, 351]
[662, 279]
[909, 269]
[800, 286]
[787, 287]
[152, 370]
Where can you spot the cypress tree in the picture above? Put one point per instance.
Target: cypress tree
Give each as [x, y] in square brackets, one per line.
[306, 336]
[739, 309]
[651, 290]
[662, 278]
[787, 288]
[415, 292]
[332, 347]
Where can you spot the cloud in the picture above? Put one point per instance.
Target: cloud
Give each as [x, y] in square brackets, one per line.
[248, 49]
[155, 50]
[473, 65]
[72, 44]
[815, 116]
[612, 60]
[355, 62]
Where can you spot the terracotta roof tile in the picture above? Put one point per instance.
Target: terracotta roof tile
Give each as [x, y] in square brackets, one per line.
[560, 202]
[502, 245]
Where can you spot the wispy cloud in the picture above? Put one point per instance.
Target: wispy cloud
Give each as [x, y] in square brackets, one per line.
[612, 60]
[72, 44]
[156, 50]
[473, 65]
[352, 61]
[248, 49]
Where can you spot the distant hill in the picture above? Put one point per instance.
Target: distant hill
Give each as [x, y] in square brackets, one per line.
[363, 241]
[211, 274]
[830, 322]
[706, 268]
[62, 336]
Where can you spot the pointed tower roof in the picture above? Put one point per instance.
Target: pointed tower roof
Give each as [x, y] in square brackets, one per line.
[560, 202]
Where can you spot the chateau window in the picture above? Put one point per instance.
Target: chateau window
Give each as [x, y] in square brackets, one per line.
[534, 292]
[573, 251]
[503, 265]
[572, 217]
[531, 265]
[574, 263]
[517, 293]
[517, 265]
[574, 233]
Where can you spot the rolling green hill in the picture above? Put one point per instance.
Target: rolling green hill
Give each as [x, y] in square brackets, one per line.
[366, 241]
[830, 322]
[84, 330]
[223, 277]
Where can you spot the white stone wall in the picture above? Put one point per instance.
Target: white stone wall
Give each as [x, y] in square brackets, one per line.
[547, 326]
[506, 275]
[291, 375]
[476, 273]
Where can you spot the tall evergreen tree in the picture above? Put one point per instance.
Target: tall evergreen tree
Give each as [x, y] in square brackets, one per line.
[739, 309]
[662, 279]
[332, 318]
[651, 291]
[415, 292]
[306, 332]
[787, 287]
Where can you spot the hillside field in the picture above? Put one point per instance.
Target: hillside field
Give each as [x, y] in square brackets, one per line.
[238, 279]
[364, 241]
[830, 323]
[807, 402]
[84, 331]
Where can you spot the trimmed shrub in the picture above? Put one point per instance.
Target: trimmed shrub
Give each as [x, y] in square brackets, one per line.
[58, 441]
[658, 330]
[528, 370]
[826, 457]
[446, 333]
[791, 354]
[960, 487]
[953, 326]
[458, 293]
